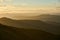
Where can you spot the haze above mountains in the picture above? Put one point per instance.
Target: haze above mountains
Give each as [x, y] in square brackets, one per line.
[19, 16]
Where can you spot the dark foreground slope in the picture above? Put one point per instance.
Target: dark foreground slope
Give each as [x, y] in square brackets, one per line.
[12, 33]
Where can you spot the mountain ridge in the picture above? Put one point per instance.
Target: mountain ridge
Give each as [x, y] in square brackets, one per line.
[12, 33]
[31, 24]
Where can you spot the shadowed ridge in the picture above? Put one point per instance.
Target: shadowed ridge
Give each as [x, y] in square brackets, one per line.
[19, 23]
[51, 18]
[12, 33]
[6, 21]
[5, 18]
[31, 24]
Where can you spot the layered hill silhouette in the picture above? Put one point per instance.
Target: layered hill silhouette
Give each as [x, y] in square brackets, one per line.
[32, 24]
[46, 27]
[13, 33]
[49, 18]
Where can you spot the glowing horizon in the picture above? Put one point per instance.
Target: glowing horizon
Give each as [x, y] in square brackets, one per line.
[28, 6]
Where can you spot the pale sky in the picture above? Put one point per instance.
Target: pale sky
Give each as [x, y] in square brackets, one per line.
[29, 6]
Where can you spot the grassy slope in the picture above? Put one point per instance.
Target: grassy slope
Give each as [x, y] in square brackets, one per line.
[11, 33]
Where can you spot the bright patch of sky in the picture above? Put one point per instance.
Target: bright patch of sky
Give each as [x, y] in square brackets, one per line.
[34, 2]
[14, 6]
[29, 2]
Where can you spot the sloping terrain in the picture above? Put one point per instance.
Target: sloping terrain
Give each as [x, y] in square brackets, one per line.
[32, 24]
[12, 33]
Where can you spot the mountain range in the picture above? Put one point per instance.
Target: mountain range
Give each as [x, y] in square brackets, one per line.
[47, 26]
[13, 33]
[49, 18]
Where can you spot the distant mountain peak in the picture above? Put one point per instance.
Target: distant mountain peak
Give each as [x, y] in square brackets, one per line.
[5, 18]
